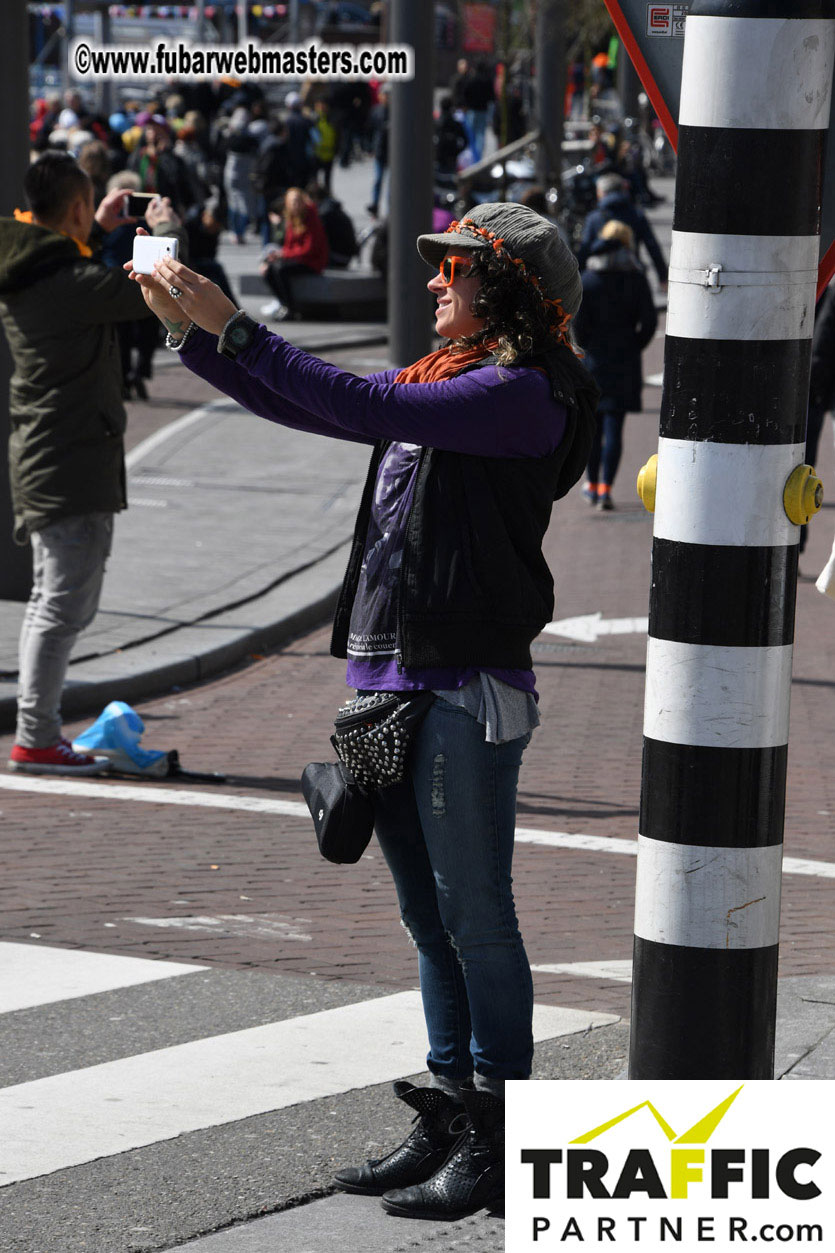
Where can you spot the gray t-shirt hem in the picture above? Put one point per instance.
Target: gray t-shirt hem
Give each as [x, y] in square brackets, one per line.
[505, 712]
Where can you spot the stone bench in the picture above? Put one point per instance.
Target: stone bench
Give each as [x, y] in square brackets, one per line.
[353, 294]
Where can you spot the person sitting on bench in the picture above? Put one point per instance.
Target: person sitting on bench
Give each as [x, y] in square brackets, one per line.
[304, 250]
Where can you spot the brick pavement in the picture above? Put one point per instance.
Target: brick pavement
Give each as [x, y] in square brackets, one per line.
[72, 874]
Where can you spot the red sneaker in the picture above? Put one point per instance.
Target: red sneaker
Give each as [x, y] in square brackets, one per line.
[59, 758]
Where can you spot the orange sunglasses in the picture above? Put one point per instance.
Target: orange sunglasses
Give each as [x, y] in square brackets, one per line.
[448, 267]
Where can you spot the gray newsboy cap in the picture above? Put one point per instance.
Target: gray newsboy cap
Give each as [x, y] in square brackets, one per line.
[526, 235]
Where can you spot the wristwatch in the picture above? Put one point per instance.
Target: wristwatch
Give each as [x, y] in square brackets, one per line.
[237, 334]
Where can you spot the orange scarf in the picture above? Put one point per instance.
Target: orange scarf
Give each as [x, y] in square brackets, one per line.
[26, 216]
[442, 364]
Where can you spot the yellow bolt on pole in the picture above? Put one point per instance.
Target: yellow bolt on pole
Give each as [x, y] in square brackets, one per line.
[802, 495]
[647, 479]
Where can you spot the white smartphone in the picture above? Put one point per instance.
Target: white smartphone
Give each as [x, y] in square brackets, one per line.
[150, 248]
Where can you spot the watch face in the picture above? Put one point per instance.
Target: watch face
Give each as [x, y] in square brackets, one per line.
[239, 335]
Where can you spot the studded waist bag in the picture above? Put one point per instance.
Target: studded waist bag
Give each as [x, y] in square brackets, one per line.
[373, 735]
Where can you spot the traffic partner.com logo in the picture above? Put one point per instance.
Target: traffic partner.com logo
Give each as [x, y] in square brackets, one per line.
[587, 1171]
[634, 1178]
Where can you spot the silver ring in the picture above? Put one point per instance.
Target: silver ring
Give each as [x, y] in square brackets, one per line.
[174, 293]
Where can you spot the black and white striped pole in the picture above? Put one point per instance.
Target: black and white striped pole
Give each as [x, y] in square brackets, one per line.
[729, 495]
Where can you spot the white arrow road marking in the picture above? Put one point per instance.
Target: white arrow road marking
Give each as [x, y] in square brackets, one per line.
[589, 626]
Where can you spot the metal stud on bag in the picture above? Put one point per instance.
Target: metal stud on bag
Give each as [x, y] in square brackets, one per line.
[372, 735]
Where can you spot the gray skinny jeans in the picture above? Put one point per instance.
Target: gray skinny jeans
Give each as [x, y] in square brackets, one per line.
[68, 562]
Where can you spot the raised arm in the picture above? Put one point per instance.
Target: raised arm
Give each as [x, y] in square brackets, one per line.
[202, 358]
[490, 412]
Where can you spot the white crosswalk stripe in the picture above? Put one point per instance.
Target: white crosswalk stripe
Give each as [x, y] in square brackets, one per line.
[32, 974]
[63, 1120]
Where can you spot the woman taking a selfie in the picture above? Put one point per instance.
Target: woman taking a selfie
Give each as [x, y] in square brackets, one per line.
[446, 588]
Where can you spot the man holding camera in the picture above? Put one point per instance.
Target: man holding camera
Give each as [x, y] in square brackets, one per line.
[66, 455]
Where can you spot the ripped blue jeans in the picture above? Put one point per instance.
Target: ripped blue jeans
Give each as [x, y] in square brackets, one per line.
[447, 835]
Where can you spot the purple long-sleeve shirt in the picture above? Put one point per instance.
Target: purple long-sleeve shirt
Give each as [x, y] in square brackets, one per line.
[506, 411]
[491, 411]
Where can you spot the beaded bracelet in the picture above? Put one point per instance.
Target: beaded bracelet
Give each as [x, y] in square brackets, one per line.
[177, 345]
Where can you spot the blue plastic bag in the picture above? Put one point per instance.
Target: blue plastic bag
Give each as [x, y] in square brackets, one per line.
[115, 734]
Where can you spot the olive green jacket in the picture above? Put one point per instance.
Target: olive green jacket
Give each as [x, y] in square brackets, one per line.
[58, 310]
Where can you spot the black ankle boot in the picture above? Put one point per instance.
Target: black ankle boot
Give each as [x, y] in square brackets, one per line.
[420, 1154]
[471, 1178]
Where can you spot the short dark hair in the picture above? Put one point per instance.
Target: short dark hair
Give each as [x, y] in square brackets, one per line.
[51, 184]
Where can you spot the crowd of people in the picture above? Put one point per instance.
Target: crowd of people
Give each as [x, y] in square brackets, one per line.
[226, 156]
[227, 159]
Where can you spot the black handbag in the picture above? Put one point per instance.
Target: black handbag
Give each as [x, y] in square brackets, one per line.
[342, 811]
